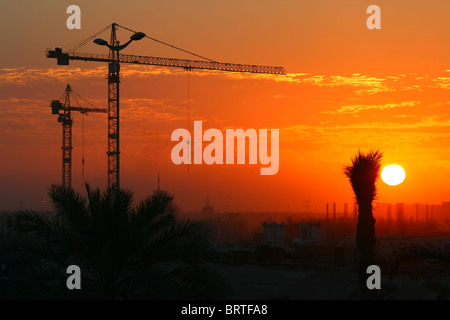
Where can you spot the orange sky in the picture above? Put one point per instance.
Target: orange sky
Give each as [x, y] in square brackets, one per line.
[347, 88]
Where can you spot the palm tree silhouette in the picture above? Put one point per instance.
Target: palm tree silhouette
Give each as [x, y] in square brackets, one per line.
[123, 252]
[431, 252]
[363, 174]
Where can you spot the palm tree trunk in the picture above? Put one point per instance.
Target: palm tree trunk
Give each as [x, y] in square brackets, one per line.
[365, 242]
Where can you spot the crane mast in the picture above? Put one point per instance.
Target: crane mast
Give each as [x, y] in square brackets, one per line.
[113, 114]
[114, 59]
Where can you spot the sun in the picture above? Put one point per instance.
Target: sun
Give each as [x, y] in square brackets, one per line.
[393, 174]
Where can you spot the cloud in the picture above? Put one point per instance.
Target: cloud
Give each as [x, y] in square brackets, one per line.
[151, 110]
[358, 108]
[21, 75]
[362, 84]
[315, 132]
[442, 82]
[315, 143]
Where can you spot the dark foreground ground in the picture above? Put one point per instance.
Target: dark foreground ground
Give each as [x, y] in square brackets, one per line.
[252, 282]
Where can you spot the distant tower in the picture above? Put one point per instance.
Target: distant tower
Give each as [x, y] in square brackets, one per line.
[334, 210]
[400, 211]
[426, 213]
[207, 210]
[345, 210]
[389, 228]
[158, 186]
[400, 217]
[355, 212]
[417, 213]
[327, 212]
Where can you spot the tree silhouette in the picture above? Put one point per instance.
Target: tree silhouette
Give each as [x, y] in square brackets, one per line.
[123, 252]
[420, 251]
[363, 174]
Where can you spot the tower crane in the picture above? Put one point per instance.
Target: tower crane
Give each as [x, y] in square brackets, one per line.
[114, 60]
[64, 111]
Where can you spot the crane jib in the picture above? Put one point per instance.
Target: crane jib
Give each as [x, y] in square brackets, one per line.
[64, 57]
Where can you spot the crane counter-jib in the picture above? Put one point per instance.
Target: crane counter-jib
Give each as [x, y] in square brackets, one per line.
[64, 57]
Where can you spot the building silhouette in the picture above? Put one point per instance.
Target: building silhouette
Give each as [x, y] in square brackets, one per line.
[207, 209]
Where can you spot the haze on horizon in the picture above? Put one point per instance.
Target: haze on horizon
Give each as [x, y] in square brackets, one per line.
[347, 88]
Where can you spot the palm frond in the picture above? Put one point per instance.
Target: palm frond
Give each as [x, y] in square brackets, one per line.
[124, 251]
[157, 208]
[184, 240]
[432, 252]
[422, 252]
[70, 205]
[363, 173]
[30, 222]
